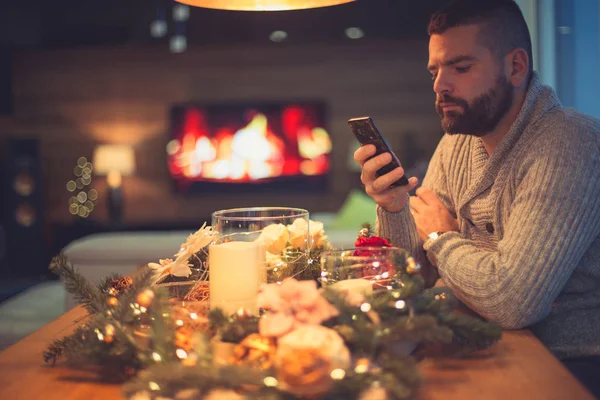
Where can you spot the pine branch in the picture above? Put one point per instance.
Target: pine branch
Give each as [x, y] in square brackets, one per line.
[217, 318]
[162, 328]
[84, 292]
[472, 333]
[114, 359]
[435, 301]
[396, 388]
[172, 378]
[351, 386]
[404, 368]
[233, 329]
[63, 346]
[107, 282]
[416, 329]
[368, 227]
[122, 312]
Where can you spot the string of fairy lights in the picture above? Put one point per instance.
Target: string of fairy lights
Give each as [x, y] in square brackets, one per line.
[83, 199]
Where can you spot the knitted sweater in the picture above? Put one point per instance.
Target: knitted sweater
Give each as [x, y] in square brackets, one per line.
[528, 250]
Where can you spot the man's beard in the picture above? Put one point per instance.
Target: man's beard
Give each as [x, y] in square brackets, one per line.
[482, 115]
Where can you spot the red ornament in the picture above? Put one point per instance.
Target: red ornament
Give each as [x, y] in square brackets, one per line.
[372, 241]
[385, 266]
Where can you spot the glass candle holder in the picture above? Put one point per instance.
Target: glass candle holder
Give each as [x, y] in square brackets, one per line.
[254, 246]
[189, 308]
[362, 269]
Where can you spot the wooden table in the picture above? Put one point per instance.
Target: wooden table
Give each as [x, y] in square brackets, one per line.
[518, 367]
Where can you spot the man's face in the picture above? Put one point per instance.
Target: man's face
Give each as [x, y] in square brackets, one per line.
[472, 91]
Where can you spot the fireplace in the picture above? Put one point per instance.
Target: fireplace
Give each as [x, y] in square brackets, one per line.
[249, 147]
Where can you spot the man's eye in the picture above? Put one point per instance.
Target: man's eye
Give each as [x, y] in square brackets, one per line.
[462, 70]
[433, 77]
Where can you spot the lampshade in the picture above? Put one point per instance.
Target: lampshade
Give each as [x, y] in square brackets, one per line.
[114, 157]
[263, 5]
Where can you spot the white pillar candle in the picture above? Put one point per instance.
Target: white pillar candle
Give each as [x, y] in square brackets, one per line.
[262, 261]
[360, 286]
[234, 276]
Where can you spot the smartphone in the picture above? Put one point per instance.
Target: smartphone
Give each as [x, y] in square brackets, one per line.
[367, 133]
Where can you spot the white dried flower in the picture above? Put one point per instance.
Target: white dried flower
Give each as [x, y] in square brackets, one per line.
[167, 266]
[298, 234]
[196, 241]
[274, 237]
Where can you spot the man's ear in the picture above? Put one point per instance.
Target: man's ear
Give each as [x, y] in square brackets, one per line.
[517, 66]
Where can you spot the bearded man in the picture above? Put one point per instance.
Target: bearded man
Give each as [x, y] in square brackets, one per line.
[509, 211]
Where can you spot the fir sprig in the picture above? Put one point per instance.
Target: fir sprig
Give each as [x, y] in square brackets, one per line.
[120, 357]
[232, 329]
[162, 328]
[107, 282]
[173, 378]
[69, 343]
[84, 292]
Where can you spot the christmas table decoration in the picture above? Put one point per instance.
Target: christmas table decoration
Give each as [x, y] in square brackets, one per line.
[304, 338]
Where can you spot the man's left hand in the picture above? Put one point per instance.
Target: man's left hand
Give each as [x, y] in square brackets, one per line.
[430, 214]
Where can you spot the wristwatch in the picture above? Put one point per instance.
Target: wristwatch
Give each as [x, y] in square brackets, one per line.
[435, 235]
[432, 237]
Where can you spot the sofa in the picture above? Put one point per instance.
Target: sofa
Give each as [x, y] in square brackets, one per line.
[99, 255]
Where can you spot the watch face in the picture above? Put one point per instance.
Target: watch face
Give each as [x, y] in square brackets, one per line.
[433, 235]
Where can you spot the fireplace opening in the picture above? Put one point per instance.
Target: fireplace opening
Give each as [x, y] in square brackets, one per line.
[249, 147]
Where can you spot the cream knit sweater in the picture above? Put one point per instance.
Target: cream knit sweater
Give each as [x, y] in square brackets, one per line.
[528, 250]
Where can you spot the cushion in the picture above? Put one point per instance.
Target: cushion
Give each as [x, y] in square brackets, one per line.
[357, 209]
[136, 247]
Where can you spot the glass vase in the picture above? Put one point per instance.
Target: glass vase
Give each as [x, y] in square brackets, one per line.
[361, 269]
[253, 246]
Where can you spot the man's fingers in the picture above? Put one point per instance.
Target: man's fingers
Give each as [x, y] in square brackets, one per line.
[370, 168]
[412, 183]
[427, 196]
[384, 181]
[363, 153]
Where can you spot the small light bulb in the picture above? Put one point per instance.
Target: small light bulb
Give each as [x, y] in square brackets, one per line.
[278, 36]
[354, 33]
[158, 28]
[181, 12]
[178, 44]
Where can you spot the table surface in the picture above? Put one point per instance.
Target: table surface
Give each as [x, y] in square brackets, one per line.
[518, 367]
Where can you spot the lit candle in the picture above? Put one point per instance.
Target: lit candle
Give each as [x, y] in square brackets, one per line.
[361, 286]
[234, 276]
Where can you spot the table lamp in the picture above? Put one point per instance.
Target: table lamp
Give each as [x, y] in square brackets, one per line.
[114, 161]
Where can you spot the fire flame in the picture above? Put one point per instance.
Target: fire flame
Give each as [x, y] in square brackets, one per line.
[251, 153]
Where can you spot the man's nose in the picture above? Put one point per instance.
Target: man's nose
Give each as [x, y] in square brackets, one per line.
[442, 84]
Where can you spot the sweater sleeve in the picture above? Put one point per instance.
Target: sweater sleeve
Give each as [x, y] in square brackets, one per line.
[400, 227]
[554, 218]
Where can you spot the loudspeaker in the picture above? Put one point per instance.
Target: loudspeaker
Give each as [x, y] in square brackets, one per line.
[23, 216]
[6, 92]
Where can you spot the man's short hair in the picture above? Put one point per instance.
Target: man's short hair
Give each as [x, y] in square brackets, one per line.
[502, 25]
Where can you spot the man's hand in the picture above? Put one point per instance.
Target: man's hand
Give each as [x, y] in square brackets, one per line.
[391, 199]
[430, 214]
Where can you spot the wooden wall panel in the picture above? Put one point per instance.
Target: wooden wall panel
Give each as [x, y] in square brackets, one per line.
[74, 99]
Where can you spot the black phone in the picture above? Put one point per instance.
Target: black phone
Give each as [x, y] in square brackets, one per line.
[367, 133]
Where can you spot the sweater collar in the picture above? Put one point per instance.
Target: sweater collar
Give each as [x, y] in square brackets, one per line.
[539, 100]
